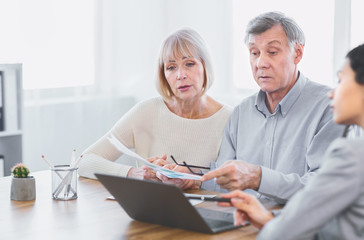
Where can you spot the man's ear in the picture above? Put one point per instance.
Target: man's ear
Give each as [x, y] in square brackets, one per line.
[298, 52]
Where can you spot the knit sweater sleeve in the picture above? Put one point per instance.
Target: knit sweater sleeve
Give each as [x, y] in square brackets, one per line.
[100, 157]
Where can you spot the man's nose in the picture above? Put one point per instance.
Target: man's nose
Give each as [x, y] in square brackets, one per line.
[262, 61]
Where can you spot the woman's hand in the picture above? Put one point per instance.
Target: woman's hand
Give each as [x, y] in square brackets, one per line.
[142, 173]
[248, 208]
[146, 172]
[160, 161]
[181, 183]
[135, 173]
[150, 173]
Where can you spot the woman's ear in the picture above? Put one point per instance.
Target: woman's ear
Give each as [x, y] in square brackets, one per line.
[298, 52]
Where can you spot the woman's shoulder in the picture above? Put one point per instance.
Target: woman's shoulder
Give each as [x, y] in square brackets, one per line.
[155, 101]
[225, 111]
[349, 144]
[151, 104]
[218, 108]
[146, 109]
[347, 151]
[227, 108]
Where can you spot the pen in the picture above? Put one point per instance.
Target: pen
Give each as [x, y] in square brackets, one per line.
[73, 157]
[74, 164]
[51, 166]
[211, 199]
[47, 161]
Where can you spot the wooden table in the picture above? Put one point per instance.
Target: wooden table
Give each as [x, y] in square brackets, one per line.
[90, 216]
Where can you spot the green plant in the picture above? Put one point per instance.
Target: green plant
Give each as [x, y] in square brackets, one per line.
[20, 171]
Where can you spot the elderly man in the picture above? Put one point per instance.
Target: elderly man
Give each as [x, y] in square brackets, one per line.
[275, 139]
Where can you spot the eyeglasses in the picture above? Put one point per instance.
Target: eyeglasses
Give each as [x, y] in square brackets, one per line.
[189, 167]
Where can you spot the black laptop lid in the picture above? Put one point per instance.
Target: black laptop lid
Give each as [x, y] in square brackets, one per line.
[154, 202]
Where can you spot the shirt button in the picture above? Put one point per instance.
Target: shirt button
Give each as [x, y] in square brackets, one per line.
[268, 143]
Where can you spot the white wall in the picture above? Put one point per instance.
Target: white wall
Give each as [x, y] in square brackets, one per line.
[132, 33]
[54, 129]
[213, 20]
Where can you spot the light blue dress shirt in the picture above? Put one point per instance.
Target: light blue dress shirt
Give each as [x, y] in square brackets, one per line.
[288, 144]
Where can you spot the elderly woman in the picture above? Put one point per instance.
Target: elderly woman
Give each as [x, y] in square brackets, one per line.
[331, 206]
[184, 122]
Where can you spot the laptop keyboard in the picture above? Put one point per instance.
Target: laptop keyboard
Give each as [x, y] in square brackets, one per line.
[215, 219]
[215, 224]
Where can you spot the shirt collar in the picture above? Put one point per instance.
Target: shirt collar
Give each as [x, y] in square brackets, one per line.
[286, 103]
[260, 103]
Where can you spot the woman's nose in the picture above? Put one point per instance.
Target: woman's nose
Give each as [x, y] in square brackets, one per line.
[181, 75]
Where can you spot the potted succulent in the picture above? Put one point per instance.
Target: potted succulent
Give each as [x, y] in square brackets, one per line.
[22, 185]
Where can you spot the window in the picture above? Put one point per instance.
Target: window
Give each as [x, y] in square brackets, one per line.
[357, 19]
[53, 39]
[318, 26]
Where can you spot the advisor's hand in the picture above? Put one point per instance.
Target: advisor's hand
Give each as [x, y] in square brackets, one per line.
[248, 208]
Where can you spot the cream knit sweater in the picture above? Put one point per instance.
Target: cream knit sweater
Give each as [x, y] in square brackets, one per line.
[153, 130]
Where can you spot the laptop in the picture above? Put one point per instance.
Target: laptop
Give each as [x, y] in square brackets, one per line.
[163, 204]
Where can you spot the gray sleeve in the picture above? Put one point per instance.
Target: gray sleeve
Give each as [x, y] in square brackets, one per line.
[280, 186]
[228, 143]
[325, 196]
[227, 151]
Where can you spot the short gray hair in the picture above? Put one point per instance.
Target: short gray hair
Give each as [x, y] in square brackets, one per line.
[184, 42]
[266, 21]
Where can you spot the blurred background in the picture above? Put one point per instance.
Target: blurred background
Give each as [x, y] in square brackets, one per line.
[84, 63]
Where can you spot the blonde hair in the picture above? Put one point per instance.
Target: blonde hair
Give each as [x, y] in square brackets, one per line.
[184, 42]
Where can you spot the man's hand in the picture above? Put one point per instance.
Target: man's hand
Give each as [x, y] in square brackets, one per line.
[248, 208]
[181, 183]
[235, 175]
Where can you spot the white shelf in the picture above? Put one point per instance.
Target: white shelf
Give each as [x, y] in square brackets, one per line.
[9, 134]
[11, 138]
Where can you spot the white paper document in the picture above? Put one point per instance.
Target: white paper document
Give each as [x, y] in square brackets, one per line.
[166, 172]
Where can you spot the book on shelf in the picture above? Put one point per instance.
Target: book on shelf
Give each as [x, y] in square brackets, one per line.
[2, 166]
[10, 100]
[1, 103]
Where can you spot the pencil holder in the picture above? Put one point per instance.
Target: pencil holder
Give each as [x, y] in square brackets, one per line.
[64, 182]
